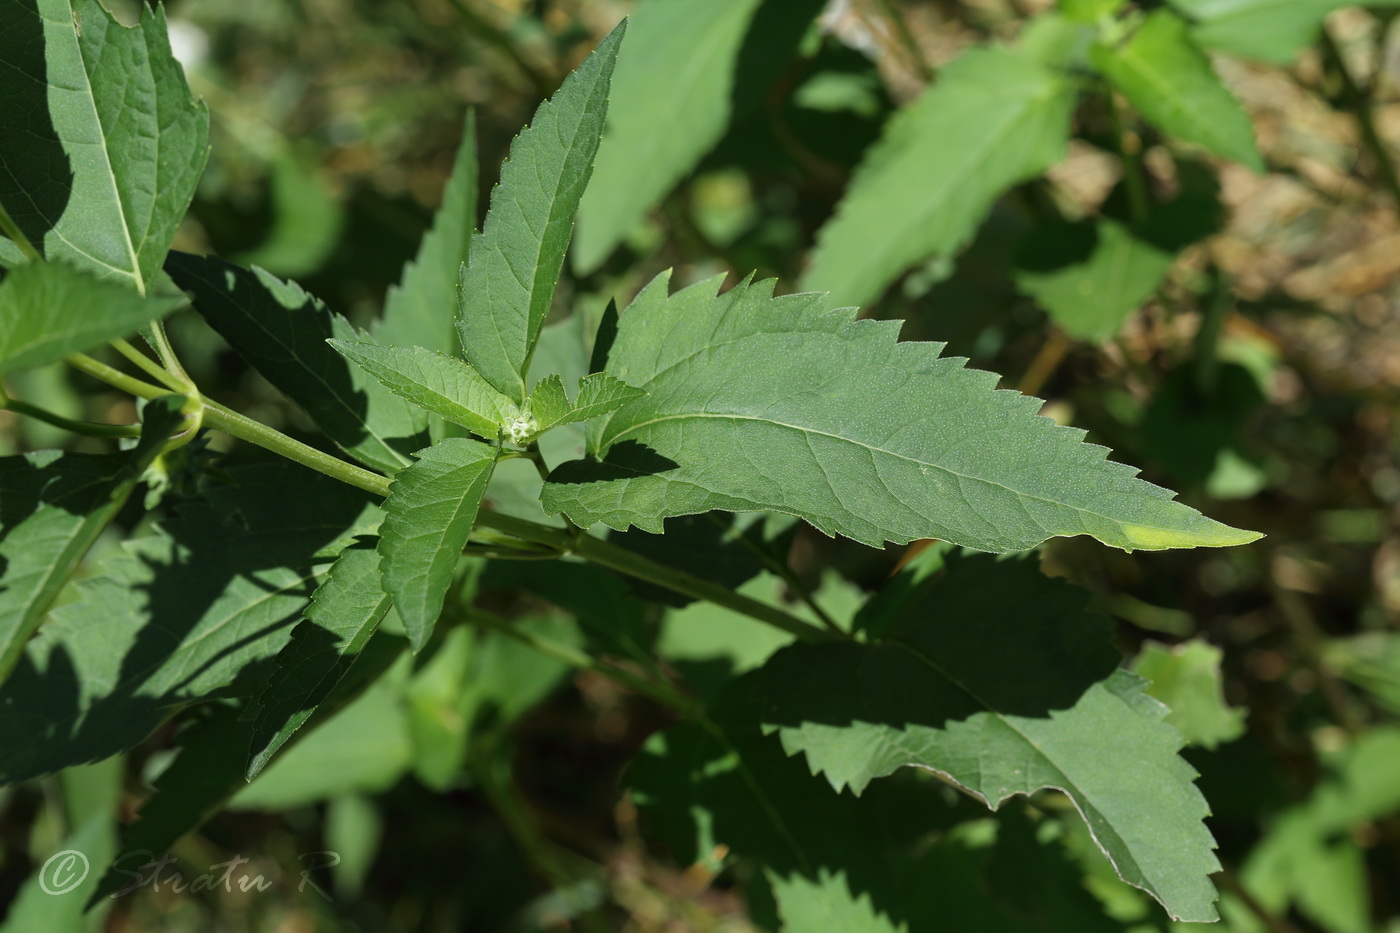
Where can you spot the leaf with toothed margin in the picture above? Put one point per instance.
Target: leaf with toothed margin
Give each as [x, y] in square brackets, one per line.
[598, 394]
[999, 678]
[508, 286]
[429, 515]
[762, 403]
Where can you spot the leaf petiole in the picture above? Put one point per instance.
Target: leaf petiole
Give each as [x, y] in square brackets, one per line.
[148, 366]
[89, 428]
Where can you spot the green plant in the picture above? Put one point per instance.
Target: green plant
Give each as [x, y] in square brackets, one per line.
[481, 447]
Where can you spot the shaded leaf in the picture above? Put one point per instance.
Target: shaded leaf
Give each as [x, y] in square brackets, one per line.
[994, 679]
[762, 403]
[428, 517]
[345, 611]
[993, 119]
[101, 145]
[1170, 81]
[53, 506]
[192, 613]
[508, 286]
[282, 331]
[51, 309]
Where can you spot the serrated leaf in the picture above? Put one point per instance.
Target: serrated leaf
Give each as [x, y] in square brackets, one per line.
[671, 102]
[345, 611]
[989, 680]
[428, 517]
[1187, 679]
[52, 508]
[762, 403]
[993, 119]
[1272, 30]
[549, 403]
[1169, 80]
[418, 312]
[101, 144]
[51, 309]
[1107, 275]
[433, 382]
[508, 286]
[192, 613]
[282, 331]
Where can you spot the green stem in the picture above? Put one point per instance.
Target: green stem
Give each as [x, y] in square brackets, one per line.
[1360, 105]
[12, 230]
[784, 572]
[91, 429]
[115, 377]
[168, 359]
[1138, 203]
[664, 693]
[148, 366]
[255, 432]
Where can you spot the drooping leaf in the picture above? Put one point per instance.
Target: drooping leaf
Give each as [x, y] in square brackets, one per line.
[1107, 275]
[757, 403]
[508, 285]
[51, 309]
[361, 748]
[282, 331]
[1187, 680]
[53, 506]
[433, 382]
[998, 679]
[345, 611]
[891, 859]
[993, 119]
[428, 517]
[1271, 30]
[670, 103]
[418, 312]
[207, 771]
[101, 143]
[194, 612]
[1166, 76]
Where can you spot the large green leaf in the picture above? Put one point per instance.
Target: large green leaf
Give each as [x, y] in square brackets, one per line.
[508, 286]
[282, 331]
[1169, 79]
[891, 859]
[101, 144]
[194, 612]
[418, 312]
[345, 611]
[429, 515]
[53, 506]
[757, 403]
[51, 309]
[1272, 30]
[993, 119]
[434, 382]
[998, 678]
[670, 103]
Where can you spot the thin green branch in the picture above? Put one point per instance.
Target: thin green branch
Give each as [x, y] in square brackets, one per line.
[1131, 157]
[115, 377]
[149, 366]
[12, 230]
[168, 359]
[89, 428]
[1359, 102]
[786, 574]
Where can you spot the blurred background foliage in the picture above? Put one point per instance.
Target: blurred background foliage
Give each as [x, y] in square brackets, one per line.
[1260, 376]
